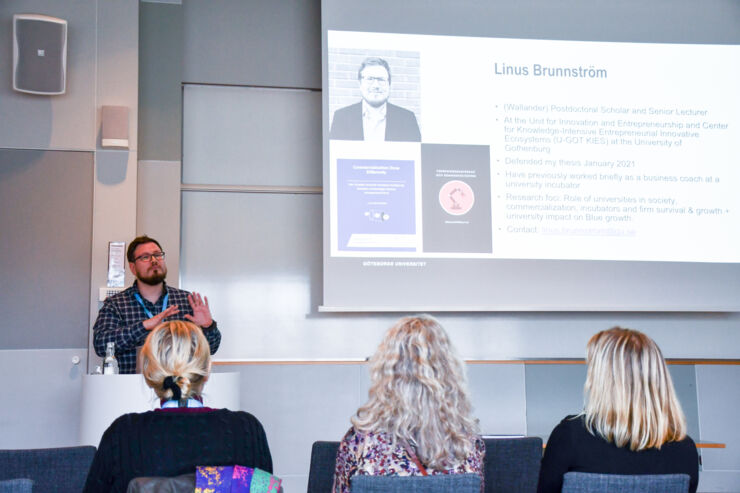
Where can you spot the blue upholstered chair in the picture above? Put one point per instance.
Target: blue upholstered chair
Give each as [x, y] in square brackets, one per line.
[321, 471]
[582, 482]
[184, 483]
[59, 470]
[446, 483]
[512, 465]
[16, 486]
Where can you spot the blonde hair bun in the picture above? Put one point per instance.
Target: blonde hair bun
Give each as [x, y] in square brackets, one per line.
[176, 355]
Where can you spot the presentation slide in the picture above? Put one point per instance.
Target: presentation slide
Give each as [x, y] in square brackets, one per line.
[470, 172]
[535, 149]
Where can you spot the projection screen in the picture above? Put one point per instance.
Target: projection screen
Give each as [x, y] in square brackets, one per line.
[506, 156]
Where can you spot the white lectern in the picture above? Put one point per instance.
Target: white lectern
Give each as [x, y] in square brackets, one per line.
[106, 397]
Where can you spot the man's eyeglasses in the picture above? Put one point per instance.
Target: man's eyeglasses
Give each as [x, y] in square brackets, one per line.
[375, 80]
[147, 257]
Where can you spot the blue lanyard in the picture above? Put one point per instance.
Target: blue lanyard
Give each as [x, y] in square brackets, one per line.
[146, 310]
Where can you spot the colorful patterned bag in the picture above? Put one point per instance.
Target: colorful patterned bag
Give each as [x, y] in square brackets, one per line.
[235, 479]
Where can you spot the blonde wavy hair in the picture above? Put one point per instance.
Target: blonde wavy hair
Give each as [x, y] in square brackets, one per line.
[418, 393]
[176, 349]
[629, 395]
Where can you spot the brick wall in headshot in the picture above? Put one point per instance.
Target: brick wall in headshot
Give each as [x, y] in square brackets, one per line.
[344, 87]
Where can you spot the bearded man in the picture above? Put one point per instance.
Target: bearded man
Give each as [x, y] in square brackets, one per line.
[127, 317]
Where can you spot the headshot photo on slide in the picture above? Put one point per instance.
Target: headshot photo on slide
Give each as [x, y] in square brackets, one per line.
[375, 95]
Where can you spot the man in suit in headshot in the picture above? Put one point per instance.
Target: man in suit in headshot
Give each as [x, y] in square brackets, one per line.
[374, 118]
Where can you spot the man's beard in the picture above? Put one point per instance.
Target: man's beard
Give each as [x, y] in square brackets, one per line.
[155, 278]
[376, 103]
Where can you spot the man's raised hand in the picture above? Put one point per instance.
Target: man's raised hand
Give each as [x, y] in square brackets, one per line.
[201, 312]
[157, 319]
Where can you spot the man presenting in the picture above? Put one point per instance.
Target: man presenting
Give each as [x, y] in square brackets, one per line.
[127, 317]
[374, 118]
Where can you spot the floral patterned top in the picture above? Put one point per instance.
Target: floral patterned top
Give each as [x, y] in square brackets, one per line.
[373, 454]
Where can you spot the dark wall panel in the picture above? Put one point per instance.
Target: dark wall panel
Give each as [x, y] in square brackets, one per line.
[160, 78]
[45, 229]
[275, 43]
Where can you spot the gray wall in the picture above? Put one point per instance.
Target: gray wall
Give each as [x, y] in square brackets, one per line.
[160, 59]
[45, 387]
[274, 44]
[46, 191]
[56, 122]
[62, 199]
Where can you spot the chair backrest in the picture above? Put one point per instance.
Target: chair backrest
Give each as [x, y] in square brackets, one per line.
[583, 482]
[59, 470]
[440, 483]
[321, 471]
[512, 465]
[184, 483]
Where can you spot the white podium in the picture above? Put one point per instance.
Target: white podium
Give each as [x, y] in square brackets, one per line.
[106, 397]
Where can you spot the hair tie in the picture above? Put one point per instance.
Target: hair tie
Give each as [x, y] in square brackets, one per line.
[170, 383]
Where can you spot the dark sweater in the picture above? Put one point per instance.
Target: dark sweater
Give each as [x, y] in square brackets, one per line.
[174, 441]
[572, 448]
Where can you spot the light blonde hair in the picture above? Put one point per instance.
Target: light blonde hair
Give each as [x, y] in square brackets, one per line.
[176, 349]
[629, 394]
[418, 393]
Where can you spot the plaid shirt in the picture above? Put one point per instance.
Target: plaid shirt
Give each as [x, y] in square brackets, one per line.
[121, 321]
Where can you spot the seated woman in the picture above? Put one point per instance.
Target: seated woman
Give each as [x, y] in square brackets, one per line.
[183, 434]
[632, 422]
[417, 419]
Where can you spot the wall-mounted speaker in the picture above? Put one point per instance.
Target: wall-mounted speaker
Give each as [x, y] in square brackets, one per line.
[115, 126]
[39, 54]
